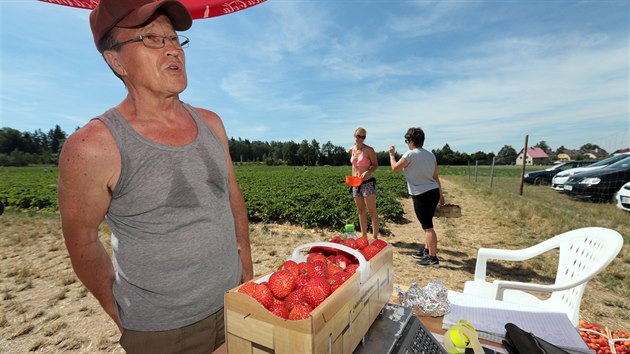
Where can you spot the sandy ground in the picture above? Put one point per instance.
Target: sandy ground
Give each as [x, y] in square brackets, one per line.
[44, 308]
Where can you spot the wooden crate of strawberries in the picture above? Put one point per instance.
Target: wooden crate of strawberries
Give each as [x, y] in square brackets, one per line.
[320, 302]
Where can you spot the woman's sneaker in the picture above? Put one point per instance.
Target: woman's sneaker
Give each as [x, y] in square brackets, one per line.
[424, 252]
[429, 261]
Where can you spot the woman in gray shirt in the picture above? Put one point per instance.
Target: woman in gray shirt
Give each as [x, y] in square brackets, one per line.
[420, 169]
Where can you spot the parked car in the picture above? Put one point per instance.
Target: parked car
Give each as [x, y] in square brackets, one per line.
[601, 184]
[623, 197]
[545, 176]
[557, 182]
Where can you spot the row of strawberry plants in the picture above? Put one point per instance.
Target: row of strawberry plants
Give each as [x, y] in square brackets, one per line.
[313, 196]
[29, 188]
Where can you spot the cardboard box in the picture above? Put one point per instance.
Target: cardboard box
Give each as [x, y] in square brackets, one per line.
[337, 325]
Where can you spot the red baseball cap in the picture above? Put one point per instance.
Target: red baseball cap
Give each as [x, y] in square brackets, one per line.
[132, 13]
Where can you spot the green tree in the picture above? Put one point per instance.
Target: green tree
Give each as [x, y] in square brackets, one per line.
[506, 156]
[543, 145]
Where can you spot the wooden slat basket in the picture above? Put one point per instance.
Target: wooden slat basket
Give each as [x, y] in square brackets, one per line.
[337, 325]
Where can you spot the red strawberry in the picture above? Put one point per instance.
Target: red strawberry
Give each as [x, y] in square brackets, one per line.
[335, 282]
[342, 261]
[300, 312]
[352, 268]
[263, 294]
[370, 251]
[291, 266]
[379, 243]
[362, 242]
[320, 269]
[248, 288]
[301, 281]
[316, 291]
[337, 239]
[344, 276]
[350, 242]
[277, 301]
[281, 283]
[319, 249]
[333, 269]
[305, 268]
[295, 298]
[312, 257]
[279, 310]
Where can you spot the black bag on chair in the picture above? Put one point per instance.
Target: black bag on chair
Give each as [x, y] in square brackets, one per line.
[518, 341]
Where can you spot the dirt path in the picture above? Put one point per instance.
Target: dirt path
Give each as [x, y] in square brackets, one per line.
[45, 309]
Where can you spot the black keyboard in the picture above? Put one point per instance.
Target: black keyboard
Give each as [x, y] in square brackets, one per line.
[417, 339]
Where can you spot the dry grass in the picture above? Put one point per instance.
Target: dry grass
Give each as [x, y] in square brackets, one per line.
[45, 308]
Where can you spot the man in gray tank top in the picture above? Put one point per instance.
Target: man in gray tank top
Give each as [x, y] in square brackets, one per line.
[159, 172]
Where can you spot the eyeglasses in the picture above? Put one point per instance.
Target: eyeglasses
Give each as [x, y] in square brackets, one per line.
[407, 141]
[155, 41]
[360, 136]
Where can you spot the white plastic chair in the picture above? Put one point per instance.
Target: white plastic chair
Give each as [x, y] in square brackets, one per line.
[583, 254]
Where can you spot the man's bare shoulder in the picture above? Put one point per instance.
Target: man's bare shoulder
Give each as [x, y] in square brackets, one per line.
[209, 116]
[213, 120]
[92, 141]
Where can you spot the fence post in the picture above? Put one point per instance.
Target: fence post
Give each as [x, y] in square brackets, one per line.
[492, 173]
[524, 161]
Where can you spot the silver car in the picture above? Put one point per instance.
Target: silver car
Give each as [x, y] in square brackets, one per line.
[622, 198]
[557, 182]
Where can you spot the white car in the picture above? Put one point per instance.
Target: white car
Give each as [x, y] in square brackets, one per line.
[623, 197]
[557, 182]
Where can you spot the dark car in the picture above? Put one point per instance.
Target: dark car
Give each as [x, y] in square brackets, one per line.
[601, 184]
[545, 176]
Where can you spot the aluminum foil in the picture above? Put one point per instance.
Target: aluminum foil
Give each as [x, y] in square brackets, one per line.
[432, 300]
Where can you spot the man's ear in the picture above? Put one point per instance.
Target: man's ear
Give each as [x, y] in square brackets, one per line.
[111, 58]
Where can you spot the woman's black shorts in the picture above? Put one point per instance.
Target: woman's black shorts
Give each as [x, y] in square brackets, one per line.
[424, 205]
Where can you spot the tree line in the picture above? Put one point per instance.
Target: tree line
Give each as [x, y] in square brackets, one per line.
[24, 148]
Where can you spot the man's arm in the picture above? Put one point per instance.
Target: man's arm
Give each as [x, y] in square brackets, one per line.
[87, 166]
[237, 202]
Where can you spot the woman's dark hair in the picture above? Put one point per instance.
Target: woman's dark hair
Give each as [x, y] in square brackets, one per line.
[416, 135]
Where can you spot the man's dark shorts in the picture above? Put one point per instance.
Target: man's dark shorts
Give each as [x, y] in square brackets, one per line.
[201, 337]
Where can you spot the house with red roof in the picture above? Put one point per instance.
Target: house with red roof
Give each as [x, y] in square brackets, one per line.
[534, 156]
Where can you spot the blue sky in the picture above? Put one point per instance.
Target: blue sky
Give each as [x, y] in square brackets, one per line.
[477, 75]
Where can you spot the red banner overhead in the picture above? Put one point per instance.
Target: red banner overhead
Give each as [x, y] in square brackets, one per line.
[198, 8]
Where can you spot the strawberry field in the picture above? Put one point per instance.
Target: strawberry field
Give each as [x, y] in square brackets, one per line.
[308, 196]
[29, 188]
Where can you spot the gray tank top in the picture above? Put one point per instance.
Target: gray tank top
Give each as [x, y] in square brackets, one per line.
[173, 237]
